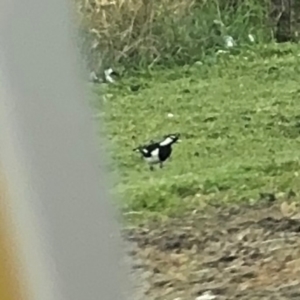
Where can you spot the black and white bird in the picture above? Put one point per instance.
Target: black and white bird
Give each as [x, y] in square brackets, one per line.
[158, 152]
[107, 76]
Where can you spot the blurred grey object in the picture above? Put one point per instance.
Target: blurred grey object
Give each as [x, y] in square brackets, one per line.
[49, 152]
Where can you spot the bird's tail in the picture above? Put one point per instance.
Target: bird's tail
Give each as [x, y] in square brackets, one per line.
[137, 149]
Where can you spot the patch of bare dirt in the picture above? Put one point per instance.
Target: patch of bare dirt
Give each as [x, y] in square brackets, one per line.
[238, 252]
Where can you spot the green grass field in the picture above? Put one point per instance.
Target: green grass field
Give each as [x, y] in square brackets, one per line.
[239, 120]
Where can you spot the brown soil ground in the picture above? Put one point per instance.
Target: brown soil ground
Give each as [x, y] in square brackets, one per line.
[238, 252]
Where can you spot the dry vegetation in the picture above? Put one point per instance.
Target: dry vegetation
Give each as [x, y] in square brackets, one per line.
[143, 32]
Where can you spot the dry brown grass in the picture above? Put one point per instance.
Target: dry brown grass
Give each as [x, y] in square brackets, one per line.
[150, 31]
[121, 27]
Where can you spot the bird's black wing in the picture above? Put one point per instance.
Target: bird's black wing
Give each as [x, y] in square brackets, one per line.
[148, 149]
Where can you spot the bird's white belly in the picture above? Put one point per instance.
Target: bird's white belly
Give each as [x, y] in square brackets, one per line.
[153, 159]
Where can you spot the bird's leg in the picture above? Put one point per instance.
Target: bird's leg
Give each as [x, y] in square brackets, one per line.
[151, 168]
[161, 165]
